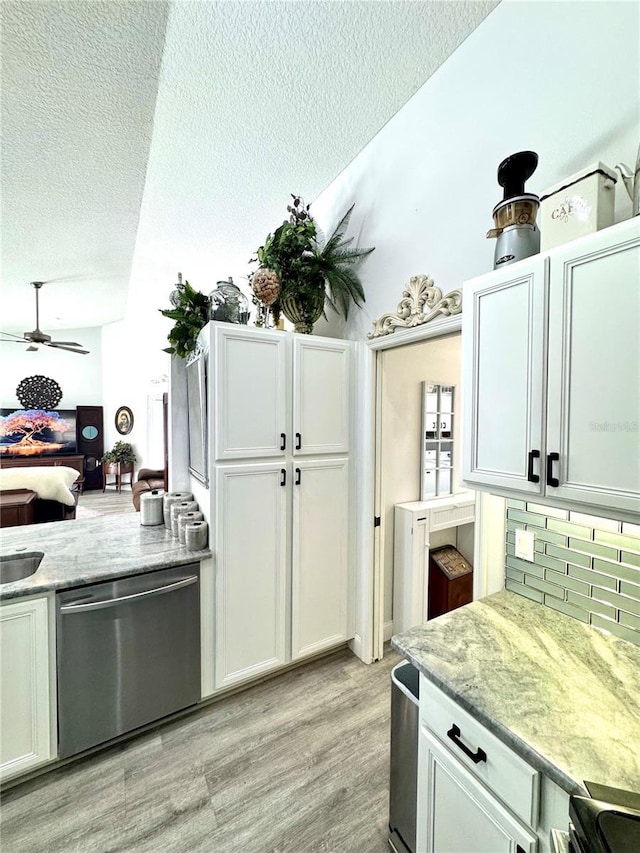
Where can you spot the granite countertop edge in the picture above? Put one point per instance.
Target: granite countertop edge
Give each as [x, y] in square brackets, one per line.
[562, 694]
[502, 732]
[80, 552]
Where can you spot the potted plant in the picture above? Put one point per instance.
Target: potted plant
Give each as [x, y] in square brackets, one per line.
[298, 272]
[120, 459]
[191, 314]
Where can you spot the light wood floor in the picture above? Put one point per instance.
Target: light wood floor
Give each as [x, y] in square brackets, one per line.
[94, 503]
[298, 764]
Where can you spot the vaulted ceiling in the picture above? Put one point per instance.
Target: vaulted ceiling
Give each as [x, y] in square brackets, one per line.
[113, 110]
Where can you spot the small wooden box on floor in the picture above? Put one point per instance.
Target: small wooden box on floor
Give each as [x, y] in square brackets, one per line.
[450, 580]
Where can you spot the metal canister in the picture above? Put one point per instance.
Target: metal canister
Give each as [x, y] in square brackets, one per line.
[195, 535]
[185, 518]
[180, 507]
[151, 508]
[171, 498]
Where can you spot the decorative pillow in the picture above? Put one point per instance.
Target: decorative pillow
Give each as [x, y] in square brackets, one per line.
[50, 483]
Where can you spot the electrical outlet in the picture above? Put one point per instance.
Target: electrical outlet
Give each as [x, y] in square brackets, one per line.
[525, 541]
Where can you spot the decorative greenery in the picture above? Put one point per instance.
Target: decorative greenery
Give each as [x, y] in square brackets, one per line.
[190, 313]
[310, 269]
[122, 452]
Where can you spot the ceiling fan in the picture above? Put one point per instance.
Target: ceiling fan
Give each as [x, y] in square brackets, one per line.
[37, 338]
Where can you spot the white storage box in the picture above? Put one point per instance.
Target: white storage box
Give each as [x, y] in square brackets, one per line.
[579, 205]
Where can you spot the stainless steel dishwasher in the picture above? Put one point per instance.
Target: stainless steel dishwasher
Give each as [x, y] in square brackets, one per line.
[128, 653]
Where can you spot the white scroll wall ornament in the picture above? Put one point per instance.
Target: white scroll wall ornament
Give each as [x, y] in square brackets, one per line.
[421, 302]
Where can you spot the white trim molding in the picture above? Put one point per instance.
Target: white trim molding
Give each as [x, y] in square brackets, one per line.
[421, 302]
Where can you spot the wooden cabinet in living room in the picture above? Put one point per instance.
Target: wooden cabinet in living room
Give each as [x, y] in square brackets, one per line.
[25, 686]
[552, 374]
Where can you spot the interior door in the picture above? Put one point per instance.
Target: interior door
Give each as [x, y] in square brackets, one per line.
[504, 368]
[251, 570]
[320, 555]
[321, 396]
[594, 391]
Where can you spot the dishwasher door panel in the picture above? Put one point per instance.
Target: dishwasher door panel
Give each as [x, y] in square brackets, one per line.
[128, 653]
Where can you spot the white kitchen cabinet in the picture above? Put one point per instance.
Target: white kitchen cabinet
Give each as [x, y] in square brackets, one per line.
[456, 813]
[274, 393]
[320, 555]
[25, 686]
[552, 374]
[281, 500]
[249, 392]
[414, 524]
[251, 566]
[321, 395]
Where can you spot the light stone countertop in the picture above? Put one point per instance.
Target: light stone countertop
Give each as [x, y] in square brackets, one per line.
[565, 696]
[89, 550]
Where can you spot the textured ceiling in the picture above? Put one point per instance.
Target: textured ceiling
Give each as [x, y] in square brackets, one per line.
[178, 138]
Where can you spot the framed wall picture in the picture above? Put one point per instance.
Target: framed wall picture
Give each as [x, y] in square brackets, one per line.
[124, 420]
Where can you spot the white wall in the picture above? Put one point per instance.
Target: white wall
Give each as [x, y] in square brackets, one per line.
[559, 78]
[134, 374]
[79, 376]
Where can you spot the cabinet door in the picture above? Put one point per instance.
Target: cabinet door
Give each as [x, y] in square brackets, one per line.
[504, 368]
[250, 552]
[321, 381]
[250, 398]
[320, 556]
[594, 369]
[456, 813]
[25, 736]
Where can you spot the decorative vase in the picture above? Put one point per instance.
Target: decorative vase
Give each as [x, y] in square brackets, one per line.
[303, 314]
[266, 285]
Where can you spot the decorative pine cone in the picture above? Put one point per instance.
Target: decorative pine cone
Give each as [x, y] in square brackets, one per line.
[266, 285]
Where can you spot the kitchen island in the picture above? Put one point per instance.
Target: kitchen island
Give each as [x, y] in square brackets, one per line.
[90, 550]
[137, 649]
[562, 695]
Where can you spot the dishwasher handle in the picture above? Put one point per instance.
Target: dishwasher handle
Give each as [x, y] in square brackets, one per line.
[125, 599]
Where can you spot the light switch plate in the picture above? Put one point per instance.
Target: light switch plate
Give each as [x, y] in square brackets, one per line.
[525, 544]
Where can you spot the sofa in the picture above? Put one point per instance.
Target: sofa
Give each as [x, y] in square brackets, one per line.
[147, 480]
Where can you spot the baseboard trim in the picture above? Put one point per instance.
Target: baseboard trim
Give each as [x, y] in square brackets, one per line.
[388, 630]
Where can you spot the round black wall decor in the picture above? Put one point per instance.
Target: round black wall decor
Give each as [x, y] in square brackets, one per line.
[38, 392]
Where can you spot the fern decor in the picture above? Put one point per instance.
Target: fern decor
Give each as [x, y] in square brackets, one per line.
[312, 272]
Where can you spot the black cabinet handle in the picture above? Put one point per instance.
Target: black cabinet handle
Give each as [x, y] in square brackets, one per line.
[283, 476]
[298, 441]
[551, 480]
[283, 441]
[477, 756]
[298, 476]
[531, 477]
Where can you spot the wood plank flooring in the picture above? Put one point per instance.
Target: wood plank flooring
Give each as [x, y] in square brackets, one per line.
[95, 503]
[298, 764]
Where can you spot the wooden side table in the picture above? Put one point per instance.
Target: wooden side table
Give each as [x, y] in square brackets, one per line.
[16, 507]
[119, 470]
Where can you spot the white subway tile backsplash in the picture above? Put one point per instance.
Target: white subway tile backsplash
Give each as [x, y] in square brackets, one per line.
[584, 566]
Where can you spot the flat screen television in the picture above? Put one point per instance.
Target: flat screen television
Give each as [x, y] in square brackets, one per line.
[37, 432]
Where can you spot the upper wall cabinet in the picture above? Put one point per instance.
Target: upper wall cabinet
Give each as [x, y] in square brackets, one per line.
[249, 396]
[276, 393]
[552, 374]
[321, 400]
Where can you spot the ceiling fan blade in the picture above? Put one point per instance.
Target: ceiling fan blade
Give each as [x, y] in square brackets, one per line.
[65, 343]
[11, 335]
[13, 341]
[68, 349]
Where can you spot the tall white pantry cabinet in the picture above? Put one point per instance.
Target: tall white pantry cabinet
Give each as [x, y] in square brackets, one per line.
[280, 483]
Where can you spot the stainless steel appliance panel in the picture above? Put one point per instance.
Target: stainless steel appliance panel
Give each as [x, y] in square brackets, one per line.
[403, 775]
[128, 653]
